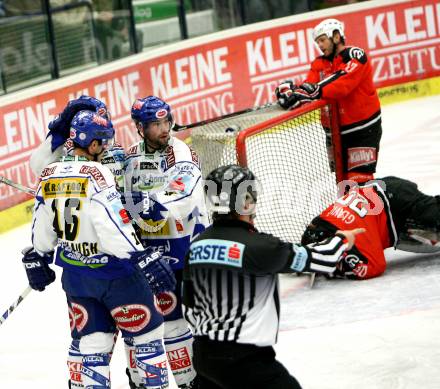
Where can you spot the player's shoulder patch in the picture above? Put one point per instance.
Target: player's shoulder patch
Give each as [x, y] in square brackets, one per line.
[48, 171]
[354, 53]
[133, 150]
[170, 157]
[194, 156]
[100, 174]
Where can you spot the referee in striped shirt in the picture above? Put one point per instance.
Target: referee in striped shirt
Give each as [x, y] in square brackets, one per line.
[230, 291]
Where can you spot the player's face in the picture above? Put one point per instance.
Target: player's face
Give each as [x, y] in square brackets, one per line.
[157, 134]
[325, 44]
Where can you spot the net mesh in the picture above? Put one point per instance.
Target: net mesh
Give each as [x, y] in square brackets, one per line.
[289, 159]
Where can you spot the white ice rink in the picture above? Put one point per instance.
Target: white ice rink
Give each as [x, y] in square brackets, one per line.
[378, 334]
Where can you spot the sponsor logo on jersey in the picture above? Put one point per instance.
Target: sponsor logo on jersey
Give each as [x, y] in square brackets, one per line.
[48, 171]
[113, 195]
[166, 302]
[96, 174]
[360, 156]
[124, 216]
[154, 227]
[179, 359]
[131, 318]
[178, 184]
[217, 252]
[132, 150]
[77, 254]
[149, 182]
[149, 165]
[179, 226]
[170, 159]
[65, 187]
[194, 156]
[107, 160]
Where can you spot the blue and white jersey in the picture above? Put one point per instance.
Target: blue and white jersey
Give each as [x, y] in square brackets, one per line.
[113, 158]
[171, 181]
[78, 210]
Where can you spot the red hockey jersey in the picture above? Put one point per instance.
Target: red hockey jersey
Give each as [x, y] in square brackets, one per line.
[358, 102]
[364, 207]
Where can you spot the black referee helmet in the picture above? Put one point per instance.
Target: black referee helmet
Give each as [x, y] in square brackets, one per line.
[230, 188]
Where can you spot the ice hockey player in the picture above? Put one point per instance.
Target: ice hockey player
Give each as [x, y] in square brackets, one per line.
[57, 142]
[108, 278]
[231, 291]
[349, 83]
[164, 177]
[393, 212]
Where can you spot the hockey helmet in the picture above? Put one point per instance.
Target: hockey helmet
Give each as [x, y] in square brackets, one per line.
[327, 27]
[228, 187]
[150, 109]
[87, 126]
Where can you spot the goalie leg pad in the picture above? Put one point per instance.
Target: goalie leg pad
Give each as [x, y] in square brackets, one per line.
[178, 342]
[151, 360]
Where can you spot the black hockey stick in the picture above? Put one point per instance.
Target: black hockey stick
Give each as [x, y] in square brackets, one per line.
[15, 185]
[180, 127]
[15, 304]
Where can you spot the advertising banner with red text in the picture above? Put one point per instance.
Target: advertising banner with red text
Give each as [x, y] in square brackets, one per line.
[225, 72]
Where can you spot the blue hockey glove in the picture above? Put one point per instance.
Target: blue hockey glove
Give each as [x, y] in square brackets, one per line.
[283, 92]
[37, 268]
[59, 128]
[155, 269]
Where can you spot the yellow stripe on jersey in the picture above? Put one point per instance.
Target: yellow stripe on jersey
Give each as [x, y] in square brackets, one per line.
[64, 187]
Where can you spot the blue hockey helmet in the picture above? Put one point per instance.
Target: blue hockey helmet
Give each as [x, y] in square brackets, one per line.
[150, 109]
[87, 126]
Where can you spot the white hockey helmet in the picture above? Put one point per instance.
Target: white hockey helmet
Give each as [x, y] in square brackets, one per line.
[327, 27]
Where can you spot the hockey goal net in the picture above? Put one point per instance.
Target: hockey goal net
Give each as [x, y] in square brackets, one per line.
[289, 154]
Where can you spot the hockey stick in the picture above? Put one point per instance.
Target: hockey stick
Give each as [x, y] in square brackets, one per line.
[15, 185]
[180, 127]
[15, 304]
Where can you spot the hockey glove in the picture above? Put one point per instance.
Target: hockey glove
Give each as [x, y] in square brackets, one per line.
[305, 93]
[37, 268]
[155, 269]
[284, 92]
[59, 128]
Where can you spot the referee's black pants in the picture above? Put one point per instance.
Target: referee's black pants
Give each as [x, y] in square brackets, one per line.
[230, 365]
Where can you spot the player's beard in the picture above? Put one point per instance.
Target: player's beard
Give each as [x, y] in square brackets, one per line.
[158, 143]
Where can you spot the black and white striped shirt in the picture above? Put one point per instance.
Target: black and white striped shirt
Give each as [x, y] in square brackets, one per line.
[231, 284]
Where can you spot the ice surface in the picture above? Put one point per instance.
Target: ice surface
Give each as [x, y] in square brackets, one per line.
[376, 334]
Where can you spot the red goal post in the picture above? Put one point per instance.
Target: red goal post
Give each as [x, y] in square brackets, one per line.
[288, 151]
